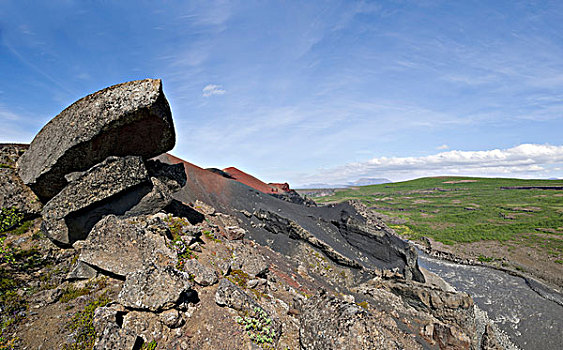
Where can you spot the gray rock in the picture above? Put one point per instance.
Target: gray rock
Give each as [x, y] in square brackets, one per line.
[329, 323]
[230, 295]
[15, 194]
[247, 260]
[154, 288]
[202, 275]
[235, 232]
[81, 271]
[109, 334]
[158, 198]
[123, 246]
[70, 215]
[449, 307]
[171, 318]
[132, 118]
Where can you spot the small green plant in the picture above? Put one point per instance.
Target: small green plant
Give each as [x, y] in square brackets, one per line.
[149, 346]
[83, 326]
[21, 229]
[211, 236]
[483, 258]
[9, 218]
[259, 328]
[4, 165]
[6, 252]
[239, 277]
[363, 304]
[183, 252]
[175, 225]
[71, 293]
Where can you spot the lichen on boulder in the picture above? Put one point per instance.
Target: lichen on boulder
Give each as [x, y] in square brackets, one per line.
[132, 118]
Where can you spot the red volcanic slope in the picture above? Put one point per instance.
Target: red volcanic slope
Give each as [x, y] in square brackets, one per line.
[209, 183]
[283, 187]
[250, 180]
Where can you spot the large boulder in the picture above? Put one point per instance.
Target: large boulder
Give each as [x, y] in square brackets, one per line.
[123, 246]
[328, 323]
[124, 186]
[70, 215]
[154, 288]
[132, 118]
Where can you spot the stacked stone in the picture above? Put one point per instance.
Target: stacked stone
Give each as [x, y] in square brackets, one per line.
[91, 160]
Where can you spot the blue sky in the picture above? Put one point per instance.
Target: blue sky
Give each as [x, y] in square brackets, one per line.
[309, 91]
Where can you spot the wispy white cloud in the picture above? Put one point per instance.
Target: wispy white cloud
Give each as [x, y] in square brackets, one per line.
[6, 114]
[526, 160]
[443, 147]
[212, 89]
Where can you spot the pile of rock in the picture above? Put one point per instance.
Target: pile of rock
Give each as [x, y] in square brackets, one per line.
[91, 167]
[91, 160]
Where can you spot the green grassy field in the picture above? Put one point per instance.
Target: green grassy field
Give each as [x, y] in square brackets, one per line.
[463, 209]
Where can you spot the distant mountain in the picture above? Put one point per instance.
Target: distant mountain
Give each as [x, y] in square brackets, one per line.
[321, 186]
[365, 181]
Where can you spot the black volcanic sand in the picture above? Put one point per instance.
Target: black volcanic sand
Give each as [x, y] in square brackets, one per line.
[229, 196]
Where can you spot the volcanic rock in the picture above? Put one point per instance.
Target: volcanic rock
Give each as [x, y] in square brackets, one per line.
[230, 295]
[171, 318]
[132, 118]
[109, 334]
[154, 288]
[328, 323]
[234, 232]
[123, 246]
[202, 275]
[69, 215]
[243, 258]
[13, 192]
[119, 185]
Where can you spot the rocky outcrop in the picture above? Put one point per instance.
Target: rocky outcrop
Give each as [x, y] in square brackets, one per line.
[154, 288]
[327, 323]
[278, 224]
[13, 192]
[244, 259]
[230, 295]
[122, 186]
[292, 196]
[449, 307]
[110, 335]
[123, 246]
[68, 216]
[132, 118]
